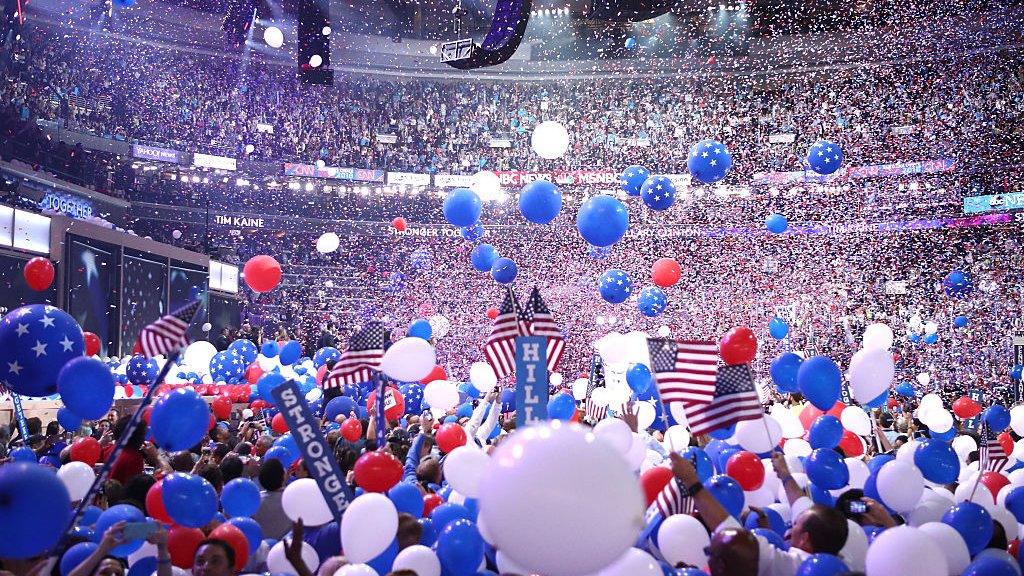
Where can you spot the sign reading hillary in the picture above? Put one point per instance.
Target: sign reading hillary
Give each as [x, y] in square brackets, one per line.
[531, 380]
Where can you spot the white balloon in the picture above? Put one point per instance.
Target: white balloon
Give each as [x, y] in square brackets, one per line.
[637, 452]
[419, 559]
[930, 327]
[1017, 419]
[878, 336]
[788, 420]
[924, 378]
[859, 472]
[905, 550]
[327, 242]
[273, 37]
[463, 468]
[556, 379]
[634, 562]
[761, 497]
[900, 485]
[1007, 520]
[439, 325]
[952, 545]
[871, 372]
[176, 234]
[508, 566]
[303, 499]
[198, 356]
[981, 494]
[603, 511]
[615, 433]
[441, 394]
[797, 447]
[77, 478]
[277, 562]
[599, 396]
[315, 61]
[758, 435]
[409, 360]
[938, 420]
[677, 438]
[368, 527]
[487, 186]
[682, 538]
[928, 511]
[550, 140]
[677, 411]
[645, 413]
[664, 331]
[482, 376]
[356, 570]
[207, 327]
[856, 420]
[855, 551]
[579, 388]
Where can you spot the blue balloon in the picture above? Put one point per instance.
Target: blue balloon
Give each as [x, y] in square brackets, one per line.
[822, 565]
[825, 157]
[270, 349]
[997, 417]
[324, 355]
[931, 338]
[1016, 372]
[407, 498]
[701, 460]
[447, 513]
[268, 382]
[460, 548]
[658, 193]
[602, 220]
[68, 420]
[879, 400]
[946, 436]
[728, 493]
[913, 337]
[483, 257]
[226, 366]
[23, 454]
[383, 561]
[561, 406]
[90, 515]
[35, 507]
[825, 432]
[709, 161]
[784, 370]
[821, 496]
[819, 380]
[412, 393]
[240, 497]
[429, 535]
[630, 43]
[339, 406]
[281, 454]
[775, 521]
[290, 352]
[540, 201]
[86, 387]
[462, 207]
[615, 286]
[420, 329]
[473, 233]
[287, 441]
[905, 389]
[827, 469]
[245, 350]
[508, 400]
[638, 377]
[179, 419]
[723, 433]
[251, 529]
[189, 499]
[652, 301]
[75, 556]
[1015, 503]
[878, 461]
[776, 223]
[986, 565]
[937, 461]
[465, 410]
[973, 523]
[633, 177]
[778, 328]
[960, 321]
[958, 284]
[772, 537]
[141, 370]
[504, 271]
[421, 259]
[119, 513]
[36, 341]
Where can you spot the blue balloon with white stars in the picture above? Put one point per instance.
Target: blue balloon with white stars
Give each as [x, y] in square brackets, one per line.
[483, 257]
[473, 233]
[825, 157]
[412, 395]
[615, 286]
[245, 350]
[658, 192]
[599, 252]
[632, 179]
[141, 370]
[35, 343]
[325, 355]
[709, 161]
[226, 365]
[652, 301]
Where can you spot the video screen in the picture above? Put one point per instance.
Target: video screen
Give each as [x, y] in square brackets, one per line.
[223, 313]
[93, 291]
[187, 284]
[14, 292]
[144, 298]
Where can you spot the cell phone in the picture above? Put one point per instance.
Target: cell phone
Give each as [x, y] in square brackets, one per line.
[856, 507]
[138, 530]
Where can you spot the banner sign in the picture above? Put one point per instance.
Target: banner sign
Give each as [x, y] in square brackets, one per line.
[386, 138]
[334, 173]
[500, 143]
[238, 221]
[216, 162]
[317, 454]
[19, 414]
[895, 287]
[993, 203]
[154, 153]
[531, 380]
[979, 397]
[781, 138]
[873, 171]
[409, 178]
[268, 128]
[570, 178]
[903, 130]
[1017, 337]
[67, 205]
[452, 181]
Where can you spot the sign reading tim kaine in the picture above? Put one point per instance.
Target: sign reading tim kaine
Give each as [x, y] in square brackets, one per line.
[531, 380]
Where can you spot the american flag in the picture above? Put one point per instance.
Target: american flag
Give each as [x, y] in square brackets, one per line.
[365, 351]
[500, 348]
[735, 400]
[991, 452]
[593, 411]
[684, 370]
[671, 500]
[541, 323]
[169, 333]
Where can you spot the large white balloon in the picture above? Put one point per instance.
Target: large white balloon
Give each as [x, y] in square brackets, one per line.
[878, 336]
[303, 499]
[928, 511]
[634, 562]
[409, 360]
[871, 372]
[682, 538]
[602, 507]
[797, 447]
[327, 242]
[905, 550]
[487, 186]
[482, 376]
[616, 433]
[924, 378]
[855, 551]
[579, 388]
[419, 559]
[788, 420]
[938, 420]
[441, 394]
[930, 327]
[952, 545]
[550, 140]
[759, 435]
[856, 420]
[463, 468]
[198, 355]
[900, 485]
[277, 562]
[677, 438]
[356, 570]
[859, 472]
[645, 414]
[439, 325]
[77, 478]
[1017, 419]
[273, 37]
[368, 527]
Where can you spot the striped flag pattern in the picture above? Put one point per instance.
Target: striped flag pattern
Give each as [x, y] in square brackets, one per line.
[593, 411]
[685, 371]
[500, 348]
[735, 400]
[991, 452]
[671, 501]
[168, 333]
[363, 357]
[542, 323]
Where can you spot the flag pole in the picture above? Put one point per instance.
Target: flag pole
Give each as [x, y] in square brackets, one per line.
[981, 465]
[381, 421]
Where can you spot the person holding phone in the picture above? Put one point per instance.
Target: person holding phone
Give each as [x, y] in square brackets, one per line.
[101, 563]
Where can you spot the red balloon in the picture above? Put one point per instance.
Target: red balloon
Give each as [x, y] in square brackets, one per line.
[38, 273]
[851, 444]
[437, 373]
[965, 408]
[277, 423]
[994, 481]
[450, 436]
[262, 273]
[492, 313]
[128, 390]
[746, 469]
[666, 272]
[211, 423]
[893, 402]
[253, 373]
[394, 404]
[653, 481]
[431, 501]
[155, 503]
[221, 406]
[1014, 548]
[738, 346]
[92, 344]
[351, 429]
[236, 539]
[86, 449]
[320, 373]
[259, 404]
[399, 224]
[182, 543]
[808, 415]
[1006, 441]
[377, 471]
